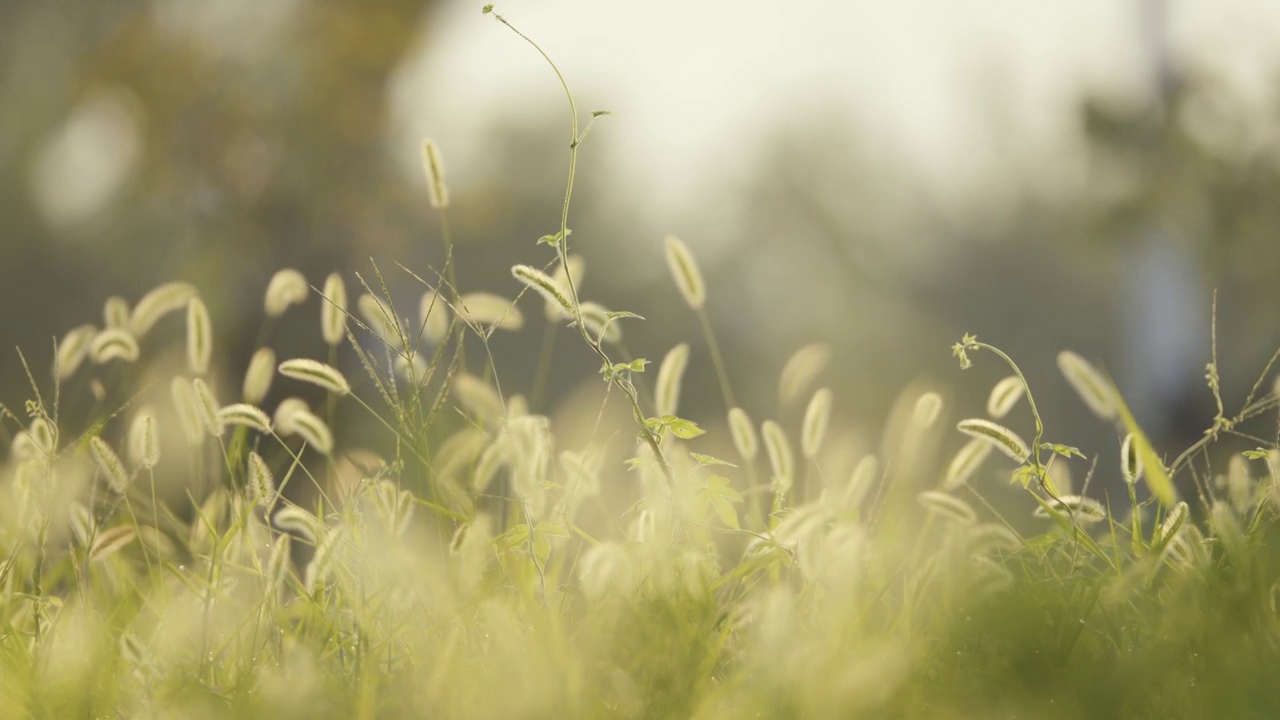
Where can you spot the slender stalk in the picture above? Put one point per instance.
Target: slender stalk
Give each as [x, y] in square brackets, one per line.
[717, 359]
[562, 248]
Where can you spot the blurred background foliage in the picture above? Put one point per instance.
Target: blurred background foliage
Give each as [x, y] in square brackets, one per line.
[149, 140]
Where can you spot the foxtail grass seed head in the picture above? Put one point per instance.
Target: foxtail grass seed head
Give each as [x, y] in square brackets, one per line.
[598, 323]
[411, 368]
[1227, 530]
[1239, 484]
[261, 484]
[434, 169]
[948, 506]
[23, 448]
[928, 408]
[684, 269]
[322, 563]
[114, 344]
[109, 464]
[189, 414]
[161, 301]
[801, 369]
[115, 313]
[577, 269]
[864, 477]
[380, 319]
[314, 431]
[72, 351]
[285, 411]
[1000, 437]
[207, 407]
[81, 521]
[144, 440]
[44, 435]
[199, 336]
[257, 379]
[316, 373]
[294, 519]
[1094, 389]
[277, 564]
[517, 407]
[778, 449]
[478, 398]
[966, 463]
[670, 377]
[245, 415]
[816, 419]
[1172, 522]
[743, 433]
[1130, 460]
[1004, 396]
[488, 309]
[433, 316]
[110, 541]
[488, 464]
[286, 288]
[541, 283]
[1079, 508]
[333, 310]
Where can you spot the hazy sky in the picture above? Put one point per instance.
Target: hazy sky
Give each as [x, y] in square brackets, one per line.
[691, 81]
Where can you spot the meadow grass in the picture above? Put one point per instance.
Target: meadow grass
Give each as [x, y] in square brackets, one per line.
[407, 535]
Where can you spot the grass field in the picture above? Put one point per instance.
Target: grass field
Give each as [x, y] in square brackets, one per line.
[402, 536]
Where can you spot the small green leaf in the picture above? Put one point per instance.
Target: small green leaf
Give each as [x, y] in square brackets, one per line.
[709, 460]
[637, 365]
[725, 510]
[1259, 454]
[541, 547]
[552, 528]
[1025, 474]
[719, 485]
[513, 538]
[681, 428]
[636, 463]
[601, 113]
[1063, 450]
[553, 240]
[614, 315]
[486, 9]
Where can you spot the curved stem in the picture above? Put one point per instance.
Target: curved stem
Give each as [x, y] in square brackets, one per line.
[562, 248]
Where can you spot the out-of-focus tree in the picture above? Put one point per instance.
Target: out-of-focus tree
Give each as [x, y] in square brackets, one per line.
[213, 142]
